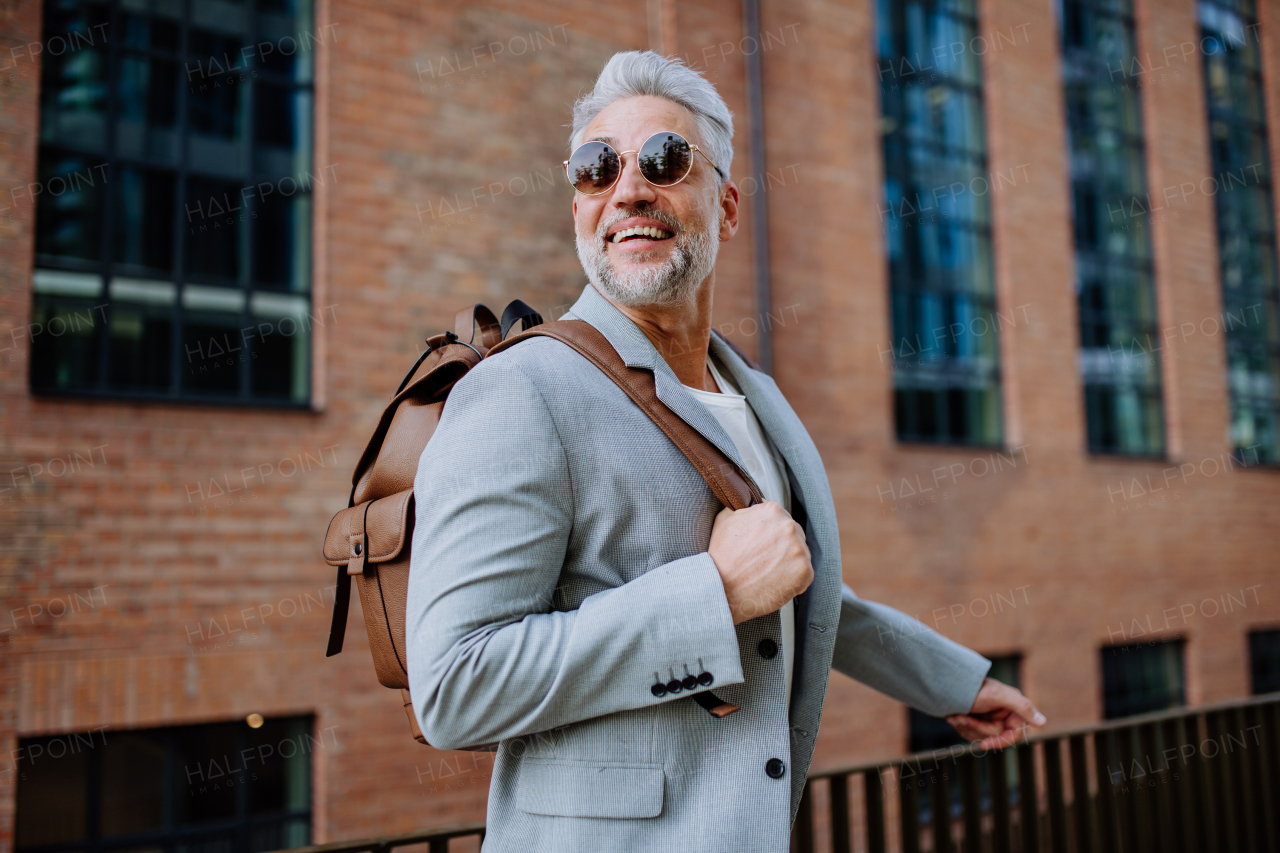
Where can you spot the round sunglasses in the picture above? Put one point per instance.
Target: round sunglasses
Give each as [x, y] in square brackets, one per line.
[665, 159]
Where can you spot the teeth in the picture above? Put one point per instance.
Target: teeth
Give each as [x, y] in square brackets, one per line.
[654, 233]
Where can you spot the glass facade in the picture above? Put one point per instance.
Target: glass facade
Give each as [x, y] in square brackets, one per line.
[937, 223]
[173, 218]
[220, 788]
[1246, 224]
[1142, 677]
[1120, 346]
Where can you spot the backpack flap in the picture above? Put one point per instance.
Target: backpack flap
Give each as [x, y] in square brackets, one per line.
[379, 527]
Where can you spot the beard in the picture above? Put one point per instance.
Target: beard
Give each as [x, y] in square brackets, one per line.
[690, 259]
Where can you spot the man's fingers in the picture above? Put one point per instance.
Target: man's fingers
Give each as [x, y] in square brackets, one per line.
[980, 728]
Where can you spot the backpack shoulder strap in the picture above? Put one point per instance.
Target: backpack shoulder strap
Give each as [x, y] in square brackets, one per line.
[722, 475]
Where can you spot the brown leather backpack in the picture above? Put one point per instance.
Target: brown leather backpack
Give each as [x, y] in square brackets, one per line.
[371, 539]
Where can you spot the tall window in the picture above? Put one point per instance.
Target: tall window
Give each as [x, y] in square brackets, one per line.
[1246, 224]
[1115, 290]
[222, 788]
[173, 208]
[1142, 677]
[937, 223]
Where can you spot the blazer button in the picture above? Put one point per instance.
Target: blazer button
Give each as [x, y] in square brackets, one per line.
[658, 690]
[705, 679]
[673, 686]
[768, 649]
[774, 768]
[689, 682]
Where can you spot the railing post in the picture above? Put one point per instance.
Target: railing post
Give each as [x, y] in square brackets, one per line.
[1188, 803]
[1224, 784]
[1000, 828]
[840, 841]
[1057, 796]
[971, 803]
[1259, 719]
[908, 812]
[873, 799]
[1080, 793]
[1247, 779]
[942, 808]
[1145, 824]
[1170, 839]
[1028, 799]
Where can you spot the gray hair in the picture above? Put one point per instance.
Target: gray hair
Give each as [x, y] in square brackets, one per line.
[643, 72]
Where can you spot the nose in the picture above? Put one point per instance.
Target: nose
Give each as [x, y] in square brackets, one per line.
[632, 190]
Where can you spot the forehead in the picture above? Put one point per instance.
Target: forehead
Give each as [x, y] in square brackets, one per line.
[630, 121]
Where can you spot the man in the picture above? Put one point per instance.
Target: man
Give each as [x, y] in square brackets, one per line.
[575, 584]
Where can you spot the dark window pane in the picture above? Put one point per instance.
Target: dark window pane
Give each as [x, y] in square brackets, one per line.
[141, 347]
[281, 240]
[133, 783]
[65, 344]
[214, 214]
[53, 780]
[208, 774]
[69, 212]
[73, 80]
[1264, 661]
[213, 349]
[155, 33]
[147, 109]
[1142, 677]
[143, 217]
[282, 760]
[281, 349]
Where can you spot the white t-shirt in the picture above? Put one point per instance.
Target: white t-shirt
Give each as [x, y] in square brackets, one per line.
[766, 467]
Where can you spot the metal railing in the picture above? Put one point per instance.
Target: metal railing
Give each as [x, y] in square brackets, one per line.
[1193, 780]
[1183, 781]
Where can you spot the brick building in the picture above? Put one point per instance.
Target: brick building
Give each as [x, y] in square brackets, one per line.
[1021, 290]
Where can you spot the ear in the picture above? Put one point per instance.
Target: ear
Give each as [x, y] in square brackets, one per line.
[728, 211]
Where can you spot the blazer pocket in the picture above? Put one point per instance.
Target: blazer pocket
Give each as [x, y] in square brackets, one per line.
[589, 789]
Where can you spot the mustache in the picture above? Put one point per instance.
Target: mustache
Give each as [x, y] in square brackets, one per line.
[668, 221]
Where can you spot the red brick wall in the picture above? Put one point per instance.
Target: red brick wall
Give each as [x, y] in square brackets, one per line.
[1079, 554]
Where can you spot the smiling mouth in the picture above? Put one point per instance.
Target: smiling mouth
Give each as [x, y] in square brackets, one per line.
[627, 235]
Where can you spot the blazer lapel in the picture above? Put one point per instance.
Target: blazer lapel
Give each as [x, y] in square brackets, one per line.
[637, 351]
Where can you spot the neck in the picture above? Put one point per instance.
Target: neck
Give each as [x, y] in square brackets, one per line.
[681, 334]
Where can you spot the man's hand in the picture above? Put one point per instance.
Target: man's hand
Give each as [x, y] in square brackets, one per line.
[762, 557]
[999, 716]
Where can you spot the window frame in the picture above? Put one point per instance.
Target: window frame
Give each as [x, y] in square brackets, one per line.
[182, 171]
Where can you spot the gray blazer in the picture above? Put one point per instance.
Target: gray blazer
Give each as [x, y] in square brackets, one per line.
[560, 570]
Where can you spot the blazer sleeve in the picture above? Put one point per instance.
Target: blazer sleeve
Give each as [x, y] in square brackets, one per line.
[886, 649]
[489, 658]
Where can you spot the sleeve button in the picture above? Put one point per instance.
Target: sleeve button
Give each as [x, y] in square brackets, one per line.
[658, 690]
[674, 686]
[689, 682]
[705, 679]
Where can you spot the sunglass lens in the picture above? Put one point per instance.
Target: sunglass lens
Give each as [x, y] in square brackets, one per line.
[665, 159]
[593, 168]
